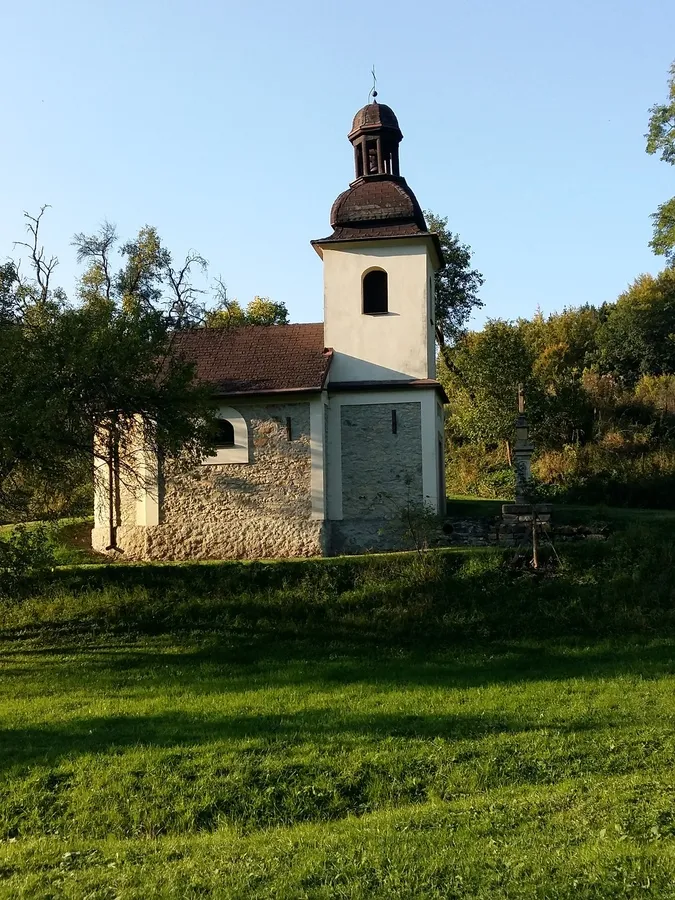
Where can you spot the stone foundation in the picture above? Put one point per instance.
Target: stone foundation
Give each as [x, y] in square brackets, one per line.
[350, 536]
[514, 527]
[256, 538]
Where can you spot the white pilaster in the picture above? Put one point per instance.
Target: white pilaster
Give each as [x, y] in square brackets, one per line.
[147, 501]
[429, 452]
[317, 430]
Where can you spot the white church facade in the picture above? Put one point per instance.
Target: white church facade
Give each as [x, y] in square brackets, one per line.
[329, 433]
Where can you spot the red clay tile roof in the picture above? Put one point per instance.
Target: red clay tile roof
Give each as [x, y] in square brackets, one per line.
[257, 359]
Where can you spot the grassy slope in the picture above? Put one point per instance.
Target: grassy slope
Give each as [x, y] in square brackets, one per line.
[344, 729]
[158, 767]
[70, 538]
[616, 516]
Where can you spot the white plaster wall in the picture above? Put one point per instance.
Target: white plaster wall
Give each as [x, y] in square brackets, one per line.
[317, 427]
[386, 347]
[431, 318]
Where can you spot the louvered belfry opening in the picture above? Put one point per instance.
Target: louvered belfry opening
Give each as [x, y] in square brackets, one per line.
[375, 135]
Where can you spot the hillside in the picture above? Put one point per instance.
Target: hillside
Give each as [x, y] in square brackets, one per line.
[442, 725]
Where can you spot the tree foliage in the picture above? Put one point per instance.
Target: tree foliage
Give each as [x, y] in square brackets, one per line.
[260, 311]
[487, 367]
[600, 398]
[661, 139]
[147, 278]
[102, 362]
[638, 335]
[456, 286]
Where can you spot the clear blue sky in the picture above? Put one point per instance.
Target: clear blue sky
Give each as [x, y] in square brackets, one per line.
[224, 124]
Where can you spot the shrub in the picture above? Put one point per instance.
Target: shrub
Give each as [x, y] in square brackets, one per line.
[618, 471]
[475, 471]
[25, 554]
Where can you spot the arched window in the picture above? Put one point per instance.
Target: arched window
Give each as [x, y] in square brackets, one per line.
[224, 433]
[375, 293]
[230, 439]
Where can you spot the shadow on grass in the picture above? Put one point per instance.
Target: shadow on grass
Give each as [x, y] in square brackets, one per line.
[48, 744]
[226, 667]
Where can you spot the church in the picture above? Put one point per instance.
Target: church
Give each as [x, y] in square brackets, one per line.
[329, 433]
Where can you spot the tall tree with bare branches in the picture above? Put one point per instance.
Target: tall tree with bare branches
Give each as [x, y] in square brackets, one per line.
[101, 362]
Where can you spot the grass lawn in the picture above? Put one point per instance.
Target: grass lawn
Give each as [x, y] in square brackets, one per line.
[460, 506]
[70, 539]
[174, 767]
[403, 726]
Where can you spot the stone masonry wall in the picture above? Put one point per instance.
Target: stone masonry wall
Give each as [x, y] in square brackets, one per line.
[381, 476]
[254, 510]
[381, 471]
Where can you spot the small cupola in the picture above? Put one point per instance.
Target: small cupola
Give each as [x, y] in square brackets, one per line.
[378, 205]
[375, 136]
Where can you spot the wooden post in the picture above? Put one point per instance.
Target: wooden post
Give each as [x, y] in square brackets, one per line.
[535, 544]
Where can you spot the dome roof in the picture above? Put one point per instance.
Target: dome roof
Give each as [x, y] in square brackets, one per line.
[379, 205]
[377, 201]
[373, 116]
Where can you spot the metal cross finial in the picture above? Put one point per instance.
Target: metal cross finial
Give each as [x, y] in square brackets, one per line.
[521, 399]
[372, 92]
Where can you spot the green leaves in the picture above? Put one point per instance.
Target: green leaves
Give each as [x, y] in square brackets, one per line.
[456, 283]
[483, 382]
[260, 311]
[638, 336]
[663, 241]
[661, 139]
[661, 134]
[66, 368]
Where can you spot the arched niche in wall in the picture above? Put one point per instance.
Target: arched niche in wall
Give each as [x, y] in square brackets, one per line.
[232, 439]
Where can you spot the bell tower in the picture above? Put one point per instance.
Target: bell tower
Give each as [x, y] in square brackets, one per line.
[383, 408]
[375, 136]
[379, 264]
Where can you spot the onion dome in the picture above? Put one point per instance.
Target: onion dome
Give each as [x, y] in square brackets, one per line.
[378, 203]
[374, 116]
[380, 200]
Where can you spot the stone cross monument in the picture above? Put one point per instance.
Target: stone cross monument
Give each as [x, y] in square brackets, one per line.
[522, 450]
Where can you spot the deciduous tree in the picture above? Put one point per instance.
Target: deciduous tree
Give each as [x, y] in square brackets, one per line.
[456, 286]
[638, 336]
[661, 139]
[67, 369]
[260, 311]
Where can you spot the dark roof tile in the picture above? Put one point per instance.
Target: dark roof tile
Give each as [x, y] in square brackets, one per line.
[375, 201]
[256, 359]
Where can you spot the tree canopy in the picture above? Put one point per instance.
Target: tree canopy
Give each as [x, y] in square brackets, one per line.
[456, 284]
[661, 139]
[100, 362]
[638, 335]
[586, 370]
[260, 311]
